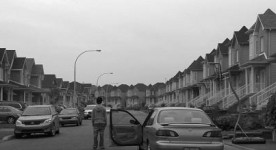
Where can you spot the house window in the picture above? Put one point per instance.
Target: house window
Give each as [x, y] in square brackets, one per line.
[237, 57]
[262, 44]
[1, 74]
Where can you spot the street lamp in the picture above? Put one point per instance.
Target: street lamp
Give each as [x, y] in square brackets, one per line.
[99, 78]
[74, 94]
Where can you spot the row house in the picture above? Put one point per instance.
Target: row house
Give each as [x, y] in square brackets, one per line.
[247, 63]
[118, 96]
[188, 82]
[136, 95]
[153, 94]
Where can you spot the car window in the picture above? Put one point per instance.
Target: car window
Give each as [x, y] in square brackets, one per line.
[36, 111]
[68, 111]
[183, 116]
[151, 119]
[121, 118]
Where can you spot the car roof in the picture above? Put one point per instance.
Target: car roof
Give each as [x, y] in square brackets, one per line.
[171, 108]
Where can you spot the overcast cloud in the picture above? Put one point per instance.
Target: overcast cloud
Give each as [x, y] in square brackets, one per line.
[142, 41]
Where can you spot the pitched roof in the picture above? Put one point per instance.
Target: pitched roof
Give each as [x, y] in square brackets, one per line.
[197, 64]
[159, 85]
[268, 19]
[241, 36]
[49, 81]
[30, 63]
[19, 63]
[2, 52]
[59, 81]
[223, 47]
[38, 69]
[65, 84]
[11, 54]
[141, 86]
[211, 56]
[123, 87]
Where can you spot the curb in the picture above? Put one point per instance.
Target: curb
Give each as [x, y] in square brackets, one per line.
[239, 147]
[8, 137]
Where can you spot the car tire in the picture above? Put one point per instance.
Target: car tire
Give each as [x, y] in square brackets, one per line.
[17, 135]
[148, 146]
[53, 131]
[78, 123]
[11, 120]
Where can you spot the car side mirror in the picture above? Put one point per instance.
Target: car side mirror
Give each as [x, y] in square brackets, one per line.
[133, 122]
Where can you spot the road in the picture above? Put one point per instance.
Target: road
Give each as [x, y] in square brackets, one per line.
[70, 138]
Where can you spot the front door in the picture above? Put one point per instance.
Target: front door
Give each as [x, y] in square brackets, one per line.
[125, 129]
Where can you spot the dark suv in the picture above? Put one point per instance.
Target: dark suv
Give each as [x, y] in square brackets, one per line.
[19, 105]
[37, 119]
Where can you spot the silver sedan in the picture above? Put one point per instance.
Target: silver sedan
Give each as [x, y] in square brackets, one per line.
[175, 128]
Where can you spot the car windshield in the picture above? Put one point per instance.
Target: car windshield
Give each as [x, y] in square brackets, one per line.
[36, 111]
[68, 111]
[89, 107]
[183, 116]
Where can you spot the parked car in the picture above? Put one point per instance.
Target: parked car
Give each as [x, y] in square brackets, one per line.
[9, 114]
[70, 116]
[107, 109]
[88, 111]
[19, 105]
[177, 128]
[37, 119]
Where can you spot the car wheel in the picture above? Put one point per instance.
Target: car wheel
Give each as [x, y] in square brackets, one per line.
[78, 123]
[53, 131]
[148, 146]
[11, 120]
[17, 135]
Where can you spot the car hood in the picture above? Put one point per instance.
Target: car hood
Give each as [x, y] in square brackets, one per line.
[22, 118]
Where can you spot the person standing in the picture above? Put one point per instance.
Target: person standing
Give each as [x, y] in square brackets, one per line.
[99, 122]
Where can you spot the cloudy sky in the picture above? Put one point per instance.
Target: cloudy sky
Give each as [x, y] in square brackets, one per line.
[142, 41]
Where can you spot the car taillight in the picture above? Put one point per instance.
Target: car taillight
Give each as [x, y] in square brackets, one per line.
[169, 133]
[212, 134]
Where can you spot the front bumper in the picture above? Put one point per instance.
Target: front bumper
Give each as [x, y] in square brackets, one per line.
[42, 128]
[165, 145]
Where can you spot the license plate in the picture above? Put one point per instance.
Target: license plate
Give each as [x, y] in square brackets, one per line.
[191, 148]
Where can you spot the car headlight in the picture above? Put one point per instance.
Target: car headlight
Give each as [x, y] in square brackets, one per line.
[74, 117]
[18, 123]
[47, 121]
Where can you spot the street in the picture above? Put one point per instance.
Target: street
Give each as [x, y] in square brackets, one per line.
[70, 138]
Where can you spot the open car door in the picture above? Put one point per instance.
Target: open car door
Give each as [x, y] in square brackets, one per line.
[125, 129]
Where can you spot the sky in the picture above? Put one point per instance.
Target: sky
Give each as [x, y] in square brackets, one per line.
[142, 41]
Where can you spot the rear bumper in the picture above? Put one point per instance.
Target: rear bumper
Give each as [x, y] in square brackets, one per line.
[165, 145]
[33, 128]
[68, 121]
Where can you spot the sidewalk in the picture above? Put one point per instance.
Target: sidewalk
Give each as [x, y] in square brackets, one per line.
[5, 134]
[6, 131]
[270, 145]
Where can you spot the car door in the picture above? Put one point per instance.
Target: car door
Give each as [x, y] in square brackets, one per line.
[125, 129]
[148, 129]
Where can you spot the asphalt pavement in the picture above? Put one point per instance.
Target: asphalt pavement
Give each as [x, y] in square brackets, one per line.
[81, 138]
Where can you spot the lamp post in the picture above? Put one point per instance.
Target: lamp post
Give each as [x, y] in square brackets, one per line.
[99, 78]
[74, 94]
